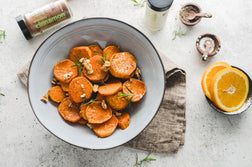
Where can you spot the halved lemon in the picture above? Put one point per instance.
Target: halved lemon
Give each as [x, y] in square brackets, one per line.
[229, 89]
[209, 74]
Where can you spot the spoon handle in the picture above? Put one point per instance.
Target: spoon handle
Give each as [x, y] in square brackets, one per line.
[208, 46]
[207, 15]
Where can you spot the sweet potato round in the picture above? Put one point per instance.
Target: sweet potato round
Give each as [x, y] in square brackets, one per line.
[80, 52]
[137, 87]
[98, 74]
[109, 51]
[64, 86]
[63, 68]
[83, 109]
[56, 94]
[110, 88]
[69, 110]
[123, 65]
[124, 120]
[82, 121]
[106, 129]
[117, 102]
[95, 114]
[96, 50]
[78, 87]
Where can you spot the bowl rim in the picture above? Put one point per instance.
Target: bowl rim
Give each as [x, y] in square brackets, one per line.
[81, 20]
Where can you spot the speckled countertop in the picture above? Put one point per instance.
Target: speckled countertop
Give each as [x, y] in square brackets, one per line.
[212, 139]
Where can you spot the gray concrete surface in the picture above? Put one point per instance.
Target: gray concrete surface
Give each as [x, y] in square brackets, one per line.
[212, 139]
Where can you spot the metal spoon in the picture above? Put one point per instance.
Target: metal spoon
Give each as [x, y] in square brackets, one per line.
[192, 15]
[208, 45]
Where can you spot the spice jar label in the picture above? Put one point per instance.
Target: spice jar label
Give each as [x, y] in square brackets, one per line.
[42, 19]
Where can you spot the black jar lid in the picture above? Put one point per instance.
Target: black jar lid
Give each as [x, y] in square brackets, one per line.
[23, 27]
[159, 5]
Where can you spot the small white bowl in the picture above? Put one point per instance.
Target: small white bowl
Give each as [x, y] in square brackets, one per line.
[102, 31]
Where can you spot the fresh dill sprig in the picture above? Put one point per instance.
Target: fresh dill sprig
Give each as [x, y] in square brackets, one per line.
[146, 159]
[88, 102]
[2, 35]
[179, 33]
[2, 94]
[139, 3]
[78, 64]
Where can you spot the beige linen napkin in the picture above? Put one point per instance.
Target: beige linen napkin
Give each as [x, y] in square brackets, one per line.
[166, 132]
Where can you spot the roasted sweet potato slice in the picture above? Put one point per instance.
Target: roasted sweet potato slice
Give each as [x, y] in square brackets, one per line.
[123, 65]
[69, 110]
[64, 86]
[107, 128]
[83, 109]
[96, 50]
[110, 88]
[98, 74]
[135, 87]
[80, 52]
[65, 71]
[95, 114]
[124, 120]
[80, 89]
[109, 51]
[82, 121]
[56, 94]
[117, 102]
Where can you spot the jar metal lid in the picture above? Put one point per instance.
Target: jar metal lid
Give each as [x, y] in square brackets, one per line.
[159, 5]
[23, 27]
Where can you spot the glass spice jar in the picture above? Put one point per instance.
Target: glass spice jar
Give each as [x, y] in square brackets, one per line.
[156, 13]
[40, 20]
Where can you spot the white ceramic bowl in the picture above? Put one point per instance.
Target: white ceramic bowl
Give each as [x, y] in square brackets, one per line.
[103, 31]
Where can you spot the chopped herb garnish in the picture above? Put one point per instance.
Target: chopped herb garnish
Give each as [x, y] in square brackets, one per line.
[2, 94]
[129, 89]
[104, 56]
[79, 65]
[89, 102]
[130, 100]
[179, 33]
[124, 95]
[146, 159]
[100, 62]
[139, 3]
[2, 35]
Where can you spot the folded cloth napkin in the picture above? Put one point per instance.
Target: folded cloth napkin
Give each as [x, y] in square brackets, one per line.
[166, 132]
